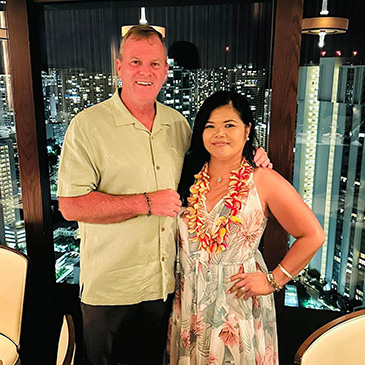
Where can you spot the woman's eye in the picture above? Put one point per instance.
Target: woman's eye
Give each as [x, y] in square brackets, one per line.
[229, 125]
[208, 126]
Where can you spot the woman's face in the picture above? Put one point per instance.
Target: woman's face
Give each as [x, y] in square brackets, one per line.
[225, 134]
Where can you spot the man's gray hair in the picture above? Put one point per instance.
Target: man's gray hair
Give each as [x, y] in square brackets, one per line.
[141, 32]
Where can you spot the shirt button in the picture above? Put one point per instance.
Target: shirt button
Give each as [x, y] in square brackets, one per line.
[157, 167]
[163, 258]
[163, 229]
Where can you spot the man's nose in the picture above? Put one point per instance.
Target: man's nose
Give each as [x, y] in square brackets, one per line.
[145, 69]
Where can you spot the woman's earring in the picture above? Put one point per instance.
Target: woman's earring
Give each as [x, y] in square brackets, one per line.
[248, 138]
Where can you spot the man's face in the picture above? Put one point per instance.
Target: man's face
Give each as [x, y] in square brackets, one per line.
[142, 69]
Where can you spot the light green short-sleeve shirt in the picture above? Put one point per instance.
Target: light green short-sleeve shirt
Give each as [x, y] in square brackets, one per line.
[106, 149]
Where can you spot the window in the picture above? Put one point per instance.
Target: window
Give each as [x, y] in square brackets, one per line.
[329, 165]
[223, 46]
[12, 231]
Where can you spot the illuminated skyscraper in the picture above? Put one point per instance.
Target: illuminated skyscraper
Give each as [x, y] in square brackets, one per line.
[9, 198]
[7, 125]
[329, 169]
[251, 84]
[179, 91]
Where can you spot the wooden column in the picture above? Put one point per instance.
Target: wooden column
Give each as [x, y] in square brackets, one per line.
[286, 57]
[37, 331]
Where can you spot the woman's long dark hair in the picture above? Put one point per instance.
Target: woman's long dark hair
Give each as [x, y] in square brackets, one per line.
[197, 155]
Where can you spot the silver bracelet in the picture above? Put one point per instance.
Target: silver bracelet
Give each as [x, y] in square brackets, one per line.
[148, 203]
[273, 282]
[286, 273]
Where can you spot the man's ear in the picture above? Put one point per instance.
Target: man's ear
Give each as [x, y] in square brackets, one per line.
[166, 70]
[118, 64]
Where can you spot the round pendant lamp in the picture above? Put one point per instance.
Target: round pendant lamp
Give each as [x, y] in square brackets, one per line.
[324, 25]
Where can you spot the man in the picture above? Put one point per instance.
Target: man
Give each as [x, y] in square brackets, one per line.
[119, 170]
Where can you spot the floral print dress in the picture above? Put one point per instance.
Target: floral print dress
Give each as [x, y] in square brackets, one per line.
[208, 325]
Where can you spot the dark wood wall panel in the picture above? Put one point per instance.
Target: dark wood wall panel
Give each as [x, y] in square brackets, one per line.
[39, 302]
[285, 84]
[286, 56]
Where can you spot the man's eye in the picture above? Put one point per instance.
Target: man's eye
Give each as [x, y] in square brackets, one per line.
[155, 64]
[135, 62]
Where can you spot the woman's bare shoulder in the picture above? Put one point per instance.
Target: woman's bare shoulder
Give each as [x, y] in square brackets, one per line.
[265, 175]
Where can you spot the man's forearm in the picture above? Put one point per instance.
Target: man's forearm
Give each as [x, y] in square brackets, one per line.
[97, 207]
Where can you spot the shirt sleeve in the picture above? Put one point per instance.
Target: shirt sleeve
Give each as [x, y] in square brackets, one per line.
[77, 173]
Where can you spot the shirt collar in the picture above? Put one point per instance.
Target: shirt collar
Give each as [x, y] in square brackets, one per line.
[122, 115]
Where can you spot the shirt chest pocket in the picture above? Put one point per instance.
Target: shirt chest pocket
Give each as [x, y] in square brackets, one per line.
[168, 164]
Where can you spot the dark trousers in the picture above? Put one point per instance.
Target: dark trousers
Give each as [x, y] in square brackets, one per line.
[126, 334]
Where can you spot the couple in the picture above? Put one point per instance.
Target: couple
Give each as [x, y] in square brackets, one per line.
[120, 167]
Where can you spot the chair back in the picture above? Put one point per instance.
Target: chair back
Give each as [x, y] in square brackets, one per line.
[13, 273]
[339, 342]
[66, 343]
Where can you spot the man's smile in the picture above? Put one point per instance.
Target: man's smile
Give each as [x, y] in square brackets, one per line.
[144, 83]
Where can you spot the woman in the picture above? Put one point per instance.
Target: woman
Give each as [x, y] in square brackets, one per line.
[224, 309]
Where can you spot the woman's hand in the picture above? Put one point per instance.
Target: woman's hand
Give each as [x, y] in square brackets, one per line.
[261, 158]
[250, 284]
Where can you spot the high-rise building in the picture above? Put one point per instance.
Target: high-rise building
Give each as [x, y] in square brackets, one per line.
[9, 197]
[15, 236]
[251, 84]
[329, 168]
[6, 111]
[179, 91]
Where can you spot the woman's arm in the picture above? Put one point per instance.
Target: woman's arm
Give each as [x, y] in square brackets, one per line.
[280, 197]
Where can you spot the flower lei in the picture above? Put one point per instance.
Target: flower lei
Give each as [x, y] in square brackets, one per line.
[197, 224]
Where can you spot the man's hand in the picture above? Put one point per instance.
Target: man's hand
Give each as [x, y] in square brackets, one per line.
[165, 203]
[261, 159]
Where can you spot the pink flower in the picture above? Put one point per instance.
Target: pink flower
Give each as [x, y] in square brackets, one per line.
[259, 328]
[185, 338]
[271, 356]
[229, 333]
[259, 360]
[212, 359]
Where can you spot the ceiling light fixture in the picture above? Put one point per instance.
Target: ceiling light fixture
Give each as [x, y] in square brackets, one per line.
[324, 25]
[143, 21]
